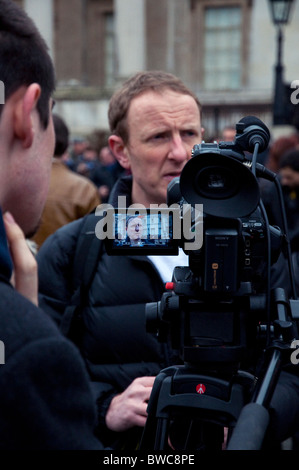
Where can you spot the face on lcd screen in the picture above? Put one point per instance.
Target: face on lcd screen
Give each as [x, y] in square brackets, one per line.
[139, 233]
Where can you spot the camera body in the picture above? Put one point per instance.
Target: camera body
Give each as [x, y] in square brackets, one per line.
[213, 214]
[216, 305]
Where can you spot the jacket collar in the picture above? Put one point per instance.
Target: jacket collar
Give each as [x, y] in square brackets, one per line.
[122, 187]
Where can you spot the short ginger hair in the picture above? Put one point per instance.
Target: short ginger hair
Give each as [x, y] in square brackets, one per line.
[141, 82]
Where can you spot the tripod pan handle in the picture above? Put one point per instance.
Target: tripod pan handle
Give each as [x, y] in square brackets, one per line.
[250, 429]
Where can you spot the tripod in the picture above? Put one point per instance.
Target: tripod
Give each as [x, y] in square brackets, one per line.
[209, 402]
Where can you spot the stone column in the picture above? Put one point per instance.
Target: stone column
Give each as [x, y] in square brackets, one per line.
[42, 14]
[130, 36]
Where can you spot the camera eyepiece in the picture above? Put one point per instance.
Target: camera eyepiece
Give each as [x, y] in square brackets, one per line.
[223, 184]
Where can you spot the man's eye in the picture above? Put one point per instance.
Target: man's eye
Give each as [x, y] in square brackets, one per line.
[189, 133]
[160, 136]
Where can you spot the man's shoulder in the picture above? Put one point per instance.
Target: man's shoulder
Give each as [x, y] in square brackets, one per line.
[70, 177]
[58, 250]
[67, 234]
[62, 244]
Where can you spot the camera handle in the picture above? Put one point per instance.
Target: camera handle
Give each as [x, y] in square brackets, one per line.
[254, 419]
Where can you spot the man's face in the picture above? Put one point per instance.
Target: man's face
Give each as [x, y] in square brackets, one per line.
[106, 156]
[163, 128]
[31, 176]
[135, 229]
[289, 177]
[228, 135]
[79, 147]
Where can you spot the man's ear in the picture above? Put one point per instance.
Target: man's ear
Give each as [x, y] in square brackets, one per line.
[119, 150]
[23, 116]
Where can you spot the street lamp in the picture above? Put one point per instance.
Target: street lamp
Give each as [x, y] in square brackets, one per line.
[280, 12]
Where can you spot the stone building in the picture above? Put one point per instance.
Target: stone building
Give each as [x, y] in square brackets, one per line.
[225, 50]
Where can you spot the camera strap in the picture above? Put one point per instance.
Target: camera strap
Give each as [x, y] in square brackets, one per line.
[85, 262]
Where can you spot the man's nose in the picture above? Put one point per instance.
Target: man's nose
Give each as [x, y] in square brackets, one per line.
[178, 150]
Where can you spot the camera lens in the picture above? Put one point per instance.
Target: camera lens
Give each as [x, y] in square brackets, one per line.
[216, 183]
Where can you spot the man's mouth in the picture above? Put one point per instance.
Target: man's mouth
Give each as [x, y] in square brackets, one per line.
[170, 176]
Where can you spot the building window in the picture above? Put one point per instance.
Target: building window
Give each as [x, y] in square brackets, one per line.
[222, 48]
[109, 52]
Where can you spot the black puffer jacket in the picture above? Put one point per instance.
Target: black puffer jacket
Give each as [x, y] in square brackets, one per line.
[115, 345]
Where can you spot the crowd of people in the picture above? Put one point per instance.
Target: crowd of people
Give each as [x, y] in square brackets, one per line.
[91, 390]
[92, 157]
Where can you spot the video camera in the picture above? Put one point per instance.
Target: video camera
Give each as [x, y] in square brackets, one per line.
[220, 310]
[225, 290]
[214, 213]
